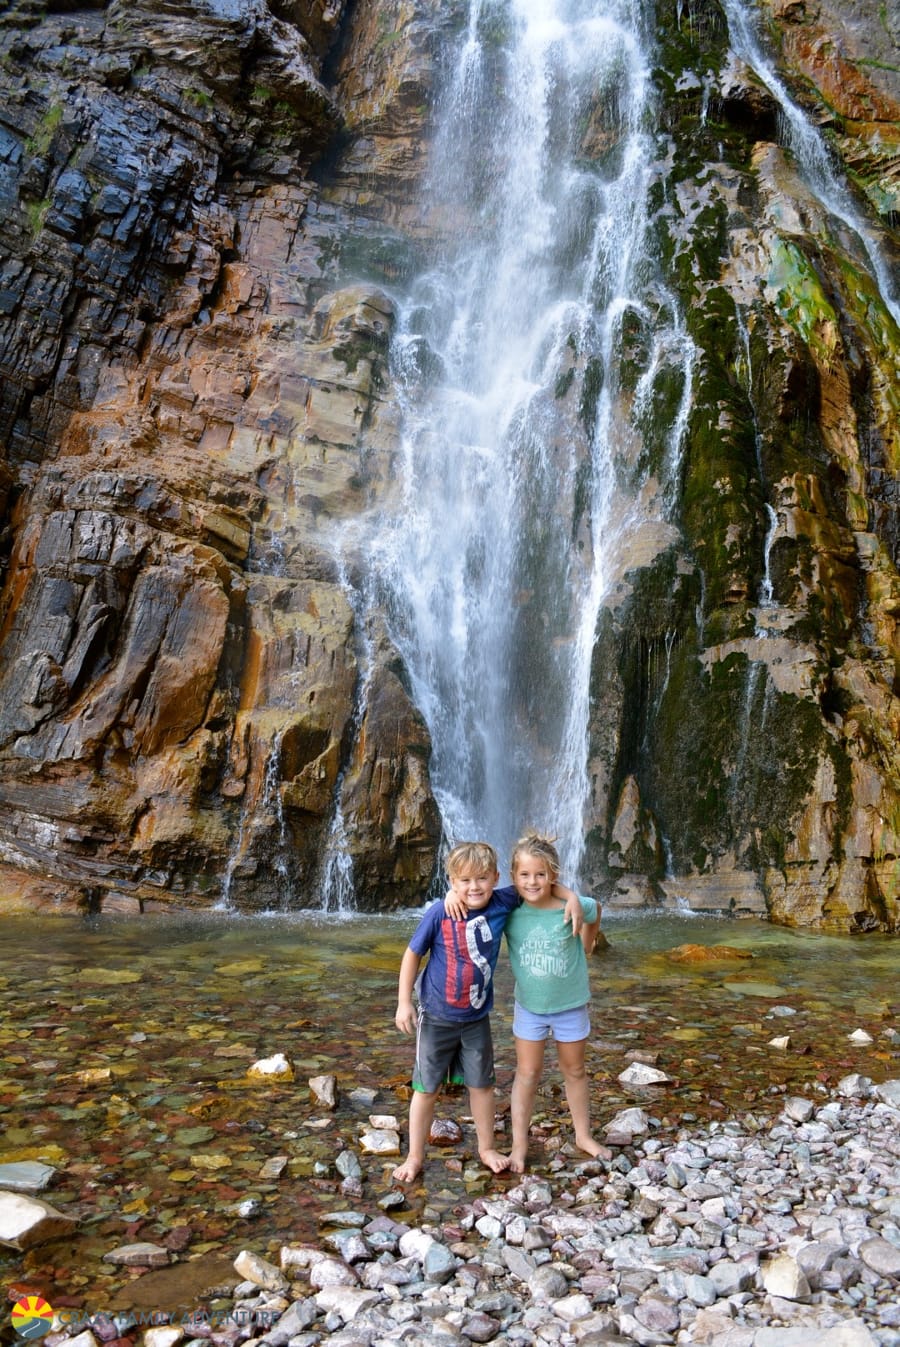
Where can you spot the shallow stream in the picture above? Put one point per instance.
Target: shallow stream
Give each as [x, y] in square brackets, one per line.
[125, 1046]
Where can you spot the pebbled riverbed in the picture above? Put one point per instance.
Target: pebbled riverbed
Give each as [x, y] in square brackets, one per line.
[125, 1047]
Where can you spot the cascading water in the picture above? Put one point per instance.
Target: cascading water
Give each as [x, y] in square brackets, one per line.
[518, 441]
[810, 151]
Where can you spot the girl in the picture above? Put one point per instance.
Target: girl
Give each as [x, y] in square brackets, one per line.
[552, 991]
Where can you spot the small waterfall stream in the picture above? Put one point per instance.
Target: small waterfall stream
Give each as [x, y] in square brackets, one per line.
[518, 440]
[810, 151]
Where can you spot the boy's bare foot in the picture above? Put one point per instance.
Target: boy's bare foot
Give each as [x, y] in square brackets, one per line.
[494, 1160]
[409, 1170]
[517, 1161]
[593, 1147]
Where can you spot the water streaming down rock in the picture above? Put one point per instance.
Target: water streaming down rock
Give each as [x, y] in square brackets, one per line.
[523, 463]
[811, 153]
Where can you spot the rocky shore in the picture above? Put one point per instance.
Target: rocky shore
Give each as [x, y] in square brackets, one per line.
[782, 1232]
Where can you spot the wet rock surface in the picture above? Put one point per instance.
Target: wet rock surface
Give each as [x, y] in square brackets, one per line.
[208, 212]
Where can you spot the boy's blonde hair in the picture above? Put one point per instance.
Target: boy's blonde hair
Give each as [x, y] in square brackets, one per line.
[473, 858]
[537, 844]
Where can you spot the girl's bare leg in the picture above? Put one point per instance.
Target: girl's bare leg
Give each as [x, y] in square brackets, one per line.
[481, 1102]
[421, 1113]
[529, 1065]
[571, 1063]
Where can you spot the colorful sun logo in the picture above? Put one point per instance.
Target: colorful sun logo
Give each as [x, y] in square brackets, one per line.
[32, 1317]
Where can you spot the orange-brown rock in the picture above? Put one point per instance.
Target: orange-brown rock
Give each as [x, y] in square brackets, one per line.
[708, 954]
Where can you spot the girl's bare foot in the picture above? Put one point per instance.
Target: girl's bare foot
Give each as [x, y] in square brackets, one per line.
[593, 1147]
[517, 1161]
[494, 1160]
[409, 1170]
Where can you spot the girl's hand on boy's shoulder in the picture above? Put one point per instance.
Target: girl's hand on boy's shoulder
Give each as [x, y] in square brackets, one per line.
[455, 907]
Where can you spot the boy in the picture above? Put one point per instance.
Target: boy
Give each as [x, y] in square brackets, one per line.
[456, 993]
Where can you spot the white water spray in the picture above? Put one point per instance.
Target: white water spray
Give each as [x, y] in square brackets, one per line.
[495, 567]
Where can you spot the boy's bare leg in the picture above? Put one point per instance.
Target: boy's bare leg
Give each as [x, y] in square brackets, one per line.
[481, 1102]
[421, 1113]
[571, 1063]
[529, 1065]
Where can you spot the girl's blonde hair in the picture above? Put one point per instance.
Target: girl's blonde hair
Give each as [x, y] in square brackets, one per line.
[537, 844]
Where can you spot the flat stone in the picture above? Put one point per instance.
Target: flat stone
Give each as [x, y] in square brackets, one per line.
[28, 1221]
[346, 1301]
[850, 1333]
[26, 1176]
[881, 1256]
[380, 1141]
[139, 1255]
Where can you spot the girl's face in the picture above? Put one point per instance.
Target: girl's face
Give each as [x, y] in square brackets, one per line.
[533, 879]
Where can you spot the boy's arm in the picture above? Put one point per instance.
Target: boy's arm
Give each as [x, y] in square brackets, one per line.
[573, 912]
[405, 1018]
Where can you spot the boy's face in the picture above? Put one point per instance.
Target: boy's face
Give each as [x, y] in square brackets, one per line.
[533, 879]
[475, 887]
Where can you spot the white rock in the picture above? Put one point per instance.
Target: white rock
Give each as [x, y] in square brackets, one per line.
[850, 1333]
[859, 1036]
[382, 1121]
[889, 1092]
[139, 1255]
[257, 1270]
[274, 1167]
[278, 1067]
[489, 1227]
[293, 1255]
[799, 1110]
[783, 1276]
[571, 1308]
[331, 1272]
[415, 1244]
[783, 1042]
[27, 1221]
[633, 1120]
[346, 1301]
[324, 1090]
[85, 1339]
[854, 1087]
[638, 1073]
[380, 1141]
[881, 1256]
[163, 1336]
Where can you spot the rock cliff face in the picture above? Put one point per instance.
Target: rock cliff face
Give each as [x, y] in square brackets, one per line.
[206, 210]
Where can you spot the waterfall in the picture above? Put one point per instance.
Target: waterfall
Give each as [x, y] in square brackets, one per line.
[810, 151]
[520, 454]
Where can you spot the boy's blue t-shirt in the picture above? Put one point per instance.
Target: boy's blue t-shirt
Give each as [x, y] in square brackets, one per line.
[458, 980]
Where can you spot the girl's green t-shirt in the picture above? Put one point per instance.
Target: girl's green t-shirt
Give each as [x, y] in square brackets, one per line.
[548, 961]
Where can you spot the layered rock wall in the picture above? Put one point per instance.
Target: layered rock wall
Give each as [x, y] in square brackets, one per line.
[186, 389]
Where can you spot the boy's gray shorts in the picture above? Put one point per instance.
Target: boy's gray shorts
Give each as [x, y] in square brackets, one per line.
[453, 1052]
